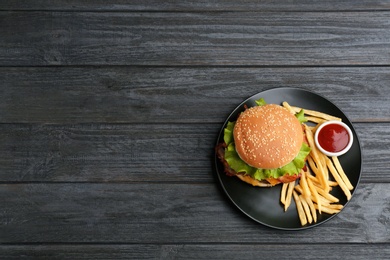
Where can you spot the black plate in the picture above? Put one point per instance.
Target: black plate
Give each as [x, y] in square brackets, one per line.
[263, 204]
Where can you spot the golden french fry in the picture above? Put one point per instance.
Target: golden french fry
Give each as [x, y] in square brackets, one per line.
[317, 182]
[305, 187]
[313, 178]
[341, 172]
[337, 177]
[315, 194]
[312, 165]
[283, 193]
[318, 185]
[322, 157]
[314, 119]
[312, 208]
[324, 201]
[301, 212]
[298, 188]
[306, 208]
[335, 206]
[327, 209]
[290, 189]
[326, 195]
[319, 159]
[318, 199]
[314, 153]
[315, 113]
[286, 105]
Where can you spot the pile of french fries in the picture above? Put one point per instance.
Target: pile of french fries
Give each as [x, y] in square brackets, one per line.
[312, 193]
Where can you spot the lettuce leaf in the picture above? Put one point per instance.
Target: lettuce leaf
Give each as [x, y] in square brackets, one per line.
[228, 133]
[261, 102]
[234, 160]
[301, 116]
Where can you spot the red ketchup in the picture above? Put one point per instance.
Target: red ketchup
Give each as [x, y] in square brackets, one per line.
[333, 138]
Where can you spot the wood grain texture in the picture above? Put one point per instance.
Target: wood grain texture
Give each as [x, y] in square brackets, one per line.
[196, 5]
[204, 38]
[177, 95]
[198, 251]
[139, 153]
[105, 153]
[110, 111]
[169, 213]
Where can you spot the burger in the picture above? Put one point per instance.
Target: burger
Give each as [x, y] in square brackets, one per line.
[265, 146]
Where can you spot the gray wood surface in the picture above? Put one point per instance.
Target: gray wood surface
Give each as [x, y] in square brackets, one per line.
[197, 5]
[170, 213]
[196, 38]
[201, 251]
[177, 95]
[110, 111]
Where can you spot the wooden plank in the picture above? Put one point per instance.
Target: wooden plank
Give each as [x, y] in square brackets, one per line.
[205, 38]
[139, 153]
[107, 153]
[176, 95]
[169, 213]
[199, 251]
[191, 5]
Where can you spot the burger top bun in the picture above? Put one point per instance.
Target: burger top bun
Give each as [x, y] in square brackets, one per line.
[268, 136]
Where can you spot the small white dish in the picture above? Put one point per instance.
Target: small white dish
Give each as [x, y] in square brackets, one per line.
[330, 133]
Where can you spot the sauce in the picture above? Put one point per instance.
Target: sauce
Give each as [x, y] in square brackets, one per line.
[333, 138]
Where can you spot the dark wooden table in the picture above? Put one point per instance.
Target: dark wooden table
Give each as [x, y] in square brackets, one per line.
[110, 111]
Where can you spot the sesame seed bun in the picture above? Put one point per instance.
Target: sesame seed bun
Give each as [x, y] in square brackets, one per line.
[268, 136]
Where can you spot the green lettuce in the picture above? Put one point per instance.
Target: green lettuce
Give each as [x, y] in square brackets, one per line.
[261, 102]
[238, 165]
[228, 132]
[301, 116]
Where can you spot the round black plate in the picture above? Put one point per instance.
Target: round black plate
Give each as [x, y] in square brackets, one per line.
[263, 204]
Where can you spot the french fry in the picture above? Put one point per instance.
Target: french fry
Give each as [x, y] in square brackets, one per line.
[324, 201]
[313, 178]
[321, 176]
[286, 105]
[315, 195]
[333, 183]
[289, 194]
[306, 208]
[312, 165]
[341, 172]
[314, 119]
[322, 157]
[316, 182]
[318, 185]
[327, 209]
[337, 177]
[283, 193]
[326, 195]
[335, 206]
[315, 113]
[301, 212]
[312, 209]
[298, 188]
[305, 188]
[319, 199]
